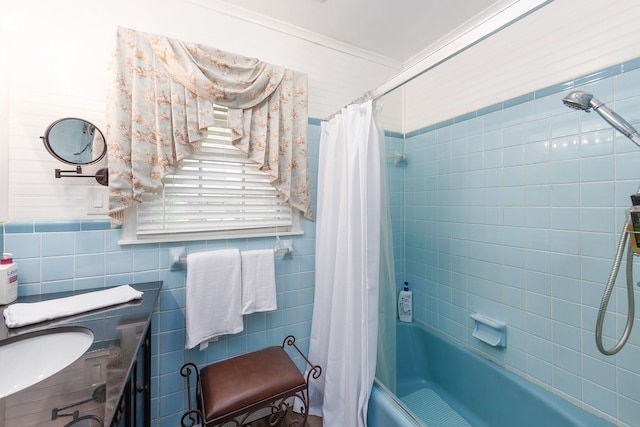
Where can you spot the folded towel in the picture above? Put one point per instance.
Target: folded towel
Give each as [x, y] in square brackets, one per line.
[214, 295]
[258, 281]
[21, 314]
[62, 321]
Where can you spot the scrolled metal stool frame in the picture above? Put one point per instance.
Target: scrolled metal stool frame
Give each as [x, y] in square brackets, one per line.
[279, 407]
[191, 417]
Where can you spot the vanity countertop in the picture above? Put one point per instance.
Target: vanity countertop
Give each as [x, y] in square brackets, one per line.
[91, 386]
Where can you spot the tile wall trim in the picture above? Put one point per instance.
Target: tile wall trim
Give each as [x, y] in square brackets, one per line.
[540, 93]
[318, 122]
[54, 226]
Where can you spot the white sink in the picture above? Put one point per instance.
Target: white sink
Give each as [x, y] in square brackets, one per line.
[31, 357]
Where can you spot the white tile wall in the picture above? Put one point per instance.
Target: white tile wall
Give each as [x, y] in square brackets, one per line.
[561, 41]
[55, 63]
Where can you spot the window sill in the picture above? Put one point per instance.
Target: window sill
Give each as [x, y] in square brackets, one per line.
[204, 236]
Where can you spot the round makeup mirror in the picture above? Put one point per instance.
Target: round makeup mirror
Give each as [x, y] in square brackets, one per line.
[75, 141]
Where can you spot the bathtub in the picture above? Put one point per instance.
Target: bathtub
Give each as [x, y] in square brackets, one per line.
[443, 384]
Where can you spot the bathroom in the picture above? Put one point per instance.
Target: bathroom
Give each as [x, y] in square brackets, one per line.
[496, 209]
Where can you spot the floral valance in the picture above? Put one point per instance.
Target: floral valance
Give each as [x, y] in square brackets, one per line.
[160, 105]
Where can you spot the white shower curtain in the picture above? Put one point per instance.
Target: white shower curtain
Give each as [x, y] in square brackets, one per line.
[345, 316]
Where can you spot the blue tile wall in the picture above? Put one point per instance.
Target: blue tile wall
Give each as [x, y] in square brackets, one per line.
[394, 144]
[53, 259]
[68, 255]
[514, 211]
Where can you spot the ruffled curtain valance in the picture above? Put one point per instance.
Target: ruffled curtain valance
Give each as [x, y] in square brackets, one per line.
[160, 105]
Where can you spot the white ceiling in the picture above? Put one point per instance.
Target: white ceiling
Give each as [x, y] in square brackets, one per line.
[395, 29]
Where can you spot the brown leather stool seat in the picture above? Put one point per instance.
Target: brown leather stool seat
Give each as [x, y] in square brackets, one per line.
[239, 386]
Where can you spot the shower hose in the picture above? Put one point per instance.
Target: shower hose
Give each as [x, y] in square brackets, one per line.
[607, 293]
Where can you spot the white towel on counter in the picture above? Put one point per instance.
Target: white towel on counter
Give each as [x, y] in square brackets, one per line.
[21, 314]
[214, 296]
[258, 281]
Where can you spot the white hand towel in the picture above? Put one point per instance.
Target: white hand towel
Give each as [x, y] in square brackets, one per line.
[214, 295]
[258, 281]
[21, 314]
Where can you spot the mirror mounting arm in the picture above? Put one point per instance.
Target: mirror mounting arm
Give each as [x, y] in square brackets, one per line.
[101, 176]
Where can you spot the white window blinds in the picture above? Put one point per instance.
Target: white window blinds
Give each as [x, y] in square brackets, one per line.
[219, 191]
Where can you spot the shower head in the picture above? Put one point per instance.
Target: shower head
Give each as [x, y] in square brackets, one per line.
[583, 100]
[578, 100]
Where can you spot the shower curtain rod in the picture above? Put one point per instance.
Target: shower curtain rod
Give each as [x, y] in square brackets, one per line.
[459, 43]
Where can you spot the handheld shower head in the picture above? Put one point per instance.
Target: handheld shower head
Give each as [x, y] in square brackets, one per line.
[578, 100]
[583, 100]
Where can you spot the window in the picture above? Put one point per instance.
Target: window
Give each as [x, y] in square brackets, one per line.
[219, 193]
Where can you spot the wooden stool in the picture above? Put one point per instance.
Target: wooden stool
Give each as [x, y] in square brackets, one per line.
[232, 390]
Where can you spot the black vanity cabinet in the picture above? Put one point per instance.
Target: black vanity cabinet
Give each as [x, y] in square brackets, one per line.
[142, 385]
[134, 408]
[109, 385]
[122, 416]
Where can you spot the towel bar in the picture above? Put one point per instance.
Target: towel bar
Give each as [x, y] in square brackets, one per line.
[178, 257]
[284, 251]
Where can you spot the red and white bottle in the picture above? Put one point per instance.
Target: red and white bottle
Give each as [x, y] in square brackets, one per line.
[8, 279]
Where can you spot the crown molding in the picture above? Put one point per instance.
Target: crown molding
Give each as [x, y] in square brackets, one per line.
[255, 18]
[505, 14]
[501, 12]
